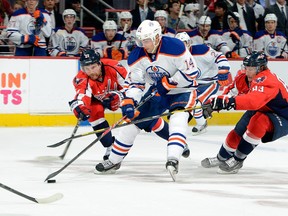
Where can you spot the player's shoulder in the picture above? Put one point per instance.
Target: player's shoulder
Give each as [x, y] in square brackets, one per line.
[136, 55]
[259, 34]
[265, 78]
[110, 63]
[19, 12]
[99, 37]
[119, 37]
[199, 49]
[172, 46]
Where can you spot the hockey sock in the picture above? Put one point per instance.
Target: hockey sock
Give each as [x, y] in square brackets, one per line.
[229, 147]
[198, 115]
[161, 128]
[107, 140]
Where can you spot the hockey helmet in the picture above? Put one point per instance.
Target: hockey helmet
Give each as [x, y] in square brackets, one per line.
[88, 57]
[148, 30]
[256, 59]
[68, 12]
[161, 13]
[204, 20]
[270, 17]
[109, 24]
[125, 15]
[184, 37]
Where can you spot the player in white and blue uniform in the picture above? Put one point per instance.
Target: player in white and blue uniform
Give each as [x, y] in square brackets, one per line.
[27, 28]
[271, 41]
[67, 40]
[166, 64]
[214, 71]
[161, 16]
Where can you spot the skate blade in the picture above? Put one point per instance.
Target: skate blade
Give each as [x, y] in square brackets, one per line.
[108, 172]
[222, 172]
[198, 133]
[172, 172]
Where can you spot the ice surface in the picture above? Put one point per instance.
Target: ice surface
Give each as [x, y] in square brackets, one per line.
[142, 187]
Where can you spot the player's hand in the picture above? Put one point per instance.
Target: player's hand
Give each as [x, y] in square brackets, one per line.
[62, 53]
[117, 54]
[235, 37]
[79, 109]
[165, 85]
[220, 102]
[223, 78]
[207, 110]
[112, 100]
[39, 17]
[30, 39]
[232, 55]
[128, 108]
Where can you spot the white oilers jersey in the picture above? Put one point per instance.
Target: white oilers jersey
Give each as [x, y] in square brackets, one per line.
[213, 39]
[245, 45]
[209, 63]
[131, 39]
[100, 43]
[271, 44]
[69, 42]
[171, 59]
[169, 32]
[22, 23]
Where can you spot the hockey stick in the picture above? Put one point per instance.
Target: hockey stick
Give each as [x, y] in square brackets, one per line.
[69, 143]
[123, 125]
[123, 34]
[49, 199]
[179, 16]
[99, 138]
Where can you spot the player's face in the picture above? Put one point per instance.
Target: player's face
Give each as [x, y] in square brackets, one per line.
[126, 21]
[93, 71]
[31, 4]
[69, 20]
[49, 4]
[233, 24]
[270, 26]
[162, 21]
[110, 34]
[204, 29]
[251, 72]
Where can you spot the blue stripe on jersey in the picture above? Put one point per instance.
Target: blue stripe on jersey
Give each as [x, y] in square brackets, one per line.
[199, 49]
[172, 46]
[20, 12]
[135, 55]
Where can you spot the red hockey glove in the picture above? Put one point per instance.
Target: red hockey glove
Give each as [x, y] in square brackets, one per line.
[128, 109]
[30, 39]
[219, 102]
[79, 109]
[165, 85]
[112, 100]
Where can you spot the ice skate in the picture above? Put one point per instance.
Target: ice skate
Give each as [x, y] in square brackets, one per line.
[186, 151]
[199, 129]
[230, 166]
[211, 162]
[107, 167]
[172, 167]
[107, 153]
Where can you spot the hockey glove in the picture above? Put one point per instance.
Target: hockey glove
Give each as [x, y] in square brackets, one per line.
[40, 19]
[223, 78]
[128, 108]
[79, 109]
[30, 39]
[62, 53]
[112, 100]
[117, 54]
[232, 55]
[220, 102]
[207, 110]
[165, 85]
[235, 37]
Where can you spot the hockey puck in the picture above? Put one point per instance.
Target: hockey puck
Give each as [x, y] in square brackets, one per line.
[51, 181]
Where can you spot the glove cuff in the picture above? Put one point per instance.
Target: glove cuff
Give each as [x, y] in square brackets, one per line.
[75, 103]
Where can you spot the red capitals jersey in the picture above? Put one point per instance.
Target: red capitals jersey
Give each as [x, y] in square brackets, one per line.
[113, 77]
[267, 93]
[239, 86]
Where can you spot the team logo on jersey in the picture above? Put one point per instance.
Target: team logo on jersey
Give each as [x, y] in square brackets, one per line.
[272, 48]
[31, 27]
[70, 44]
[260, 79]
[156, 72]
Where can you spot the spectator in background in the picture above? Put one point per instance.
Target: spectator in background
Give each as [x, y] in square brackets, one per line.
[18, 4]
[259, 13]
[7, 7]
[191, 17]
[247, 16]
[109, 43]
[125, 18]
[277, 8]
[161, 18]
[141, 12]
[238, 40]
[56, 18]
[3, 15]
[67, 40]
[204, 34]
[76, 6]
[174, 21]
[271, 41]
[219, 21]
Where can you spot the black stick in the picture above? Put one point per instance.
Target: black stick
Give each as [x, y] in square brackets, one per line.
[49, 199]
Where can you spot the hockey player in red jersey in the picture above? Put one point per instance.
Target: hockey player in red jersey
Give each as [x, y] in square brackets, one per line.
[98, 85]
[265, 120]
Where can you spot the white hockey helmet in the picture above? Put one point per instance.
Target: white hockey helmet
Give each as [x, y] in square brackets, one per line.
[270, 17]
[236, 14]
[184, 37]
[109, 24]
[192, 7]
[204, 20]
[68, 12]
[125, 15]
[148, 30]
[161, 13]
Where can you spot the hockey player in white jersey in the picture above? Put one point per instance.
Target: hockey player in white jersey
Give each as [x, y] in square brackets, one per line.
[204, 34]
[67, 40]
[27, 28]
[161, 16]
[166, 64]
[271, 41]
[214, 71]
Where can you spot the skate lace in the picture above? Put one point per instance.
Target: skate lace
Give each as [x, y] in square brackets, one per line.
[107, 163]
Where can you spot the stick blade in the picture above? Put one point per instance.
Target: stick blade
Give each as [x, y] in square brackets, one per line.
[50, 199]
[59, 143]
